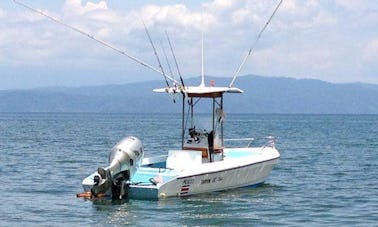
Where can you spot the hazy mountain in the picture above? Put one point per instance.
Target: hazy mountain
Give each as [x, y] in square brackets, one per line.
[261, 95]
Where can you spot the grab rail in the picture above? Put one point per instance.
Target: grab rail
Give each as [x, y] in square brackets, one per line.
[250, 139]
[270, 143]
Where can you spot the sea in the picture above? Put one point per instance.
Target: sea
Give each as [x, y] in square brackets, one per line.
[326, 176]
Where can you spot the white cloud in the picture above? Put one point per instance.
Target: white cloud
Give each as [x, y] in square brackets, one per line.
[371, 51]
[220, 4]
[178, 16]
[2, 13]
[76, 7]
[353, 5]
[306, 38]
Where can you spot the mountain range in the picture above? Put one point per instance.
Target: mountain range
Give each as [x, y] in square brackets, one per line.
[261, 95]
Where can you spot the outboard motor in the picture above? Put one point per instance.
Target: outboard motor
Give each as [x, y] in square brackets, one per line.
[124, 160]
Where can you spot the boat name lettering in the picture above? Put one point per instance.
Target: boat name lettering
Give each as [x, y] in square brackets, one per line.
[205, 181]
[211, 180]
[188, 181]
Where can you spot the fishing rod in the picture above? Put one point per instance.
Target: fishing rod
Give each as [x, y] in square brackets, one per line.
[96, 39]
[158, 60]
[156, 54]
[174, 57]
[254, 44]
[166, 59]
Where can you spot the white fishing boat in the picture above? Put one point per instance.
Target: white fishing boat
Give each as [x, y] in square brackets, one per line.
[202, 164]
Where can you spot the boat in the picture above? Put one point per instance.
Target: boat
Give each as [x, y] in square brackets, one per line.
[202, 164]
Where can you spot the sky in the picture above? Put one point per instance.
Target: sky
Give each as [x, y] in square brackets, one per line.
[330, 40]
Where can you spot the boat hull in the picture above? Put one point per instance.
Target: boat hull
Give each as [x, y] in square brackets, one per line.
[211, 177]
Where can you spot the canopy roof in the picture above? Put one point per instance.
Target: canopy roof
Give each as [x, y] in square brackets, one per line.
[200, 91]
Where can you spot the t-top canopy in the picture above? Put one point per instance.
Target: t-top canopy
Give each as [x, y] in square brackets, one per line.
[200, 91]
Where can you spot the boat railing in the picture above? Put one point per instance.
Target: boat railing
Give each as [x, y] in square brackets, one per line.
[248, 139]
[270, 143]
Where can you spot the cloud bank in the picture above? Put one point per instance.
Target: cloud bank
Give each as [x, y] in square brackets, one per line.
[333, 40]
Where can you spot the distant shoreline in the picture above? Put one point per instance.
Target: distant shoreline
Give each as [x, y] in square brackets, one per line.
[271, 95]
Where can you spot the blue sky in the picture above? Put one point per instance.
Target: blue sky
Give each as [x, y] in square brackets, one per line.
[331, 40]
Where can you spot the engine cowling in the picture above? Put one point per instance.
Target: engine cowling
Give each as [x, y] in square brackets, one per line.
[124, 160]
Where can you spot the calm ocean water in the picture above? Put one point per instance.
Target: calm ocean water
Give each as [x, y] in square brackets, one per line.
[327, 174]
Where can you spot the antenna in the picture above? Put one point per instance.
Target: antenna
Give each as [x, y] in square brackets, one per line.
[202, 65]
[96, 39]
[254, 44]
[202, 69]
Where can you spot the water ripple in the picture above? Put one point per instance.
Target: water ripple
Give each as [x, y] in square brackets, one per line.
[326, 174]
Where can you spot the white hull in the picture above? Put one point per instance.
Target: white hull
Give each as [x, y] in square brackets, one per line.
[240, 167]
